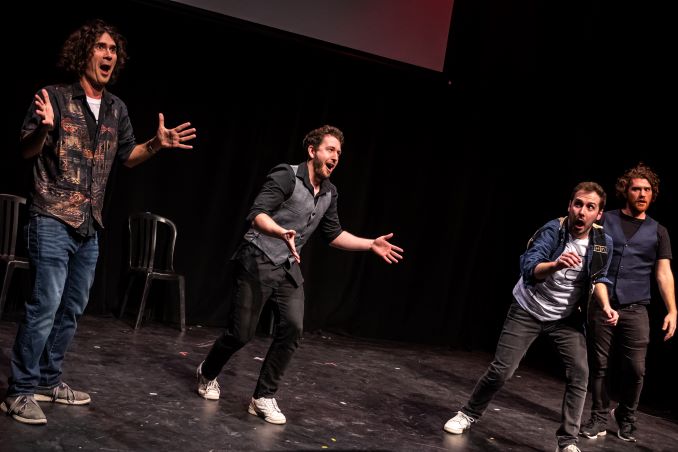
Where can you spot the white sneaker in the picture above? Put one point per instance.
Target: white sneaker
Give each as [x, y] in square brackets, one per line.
[208, 389]
[568, 448]
[459, 423]
[268, 409]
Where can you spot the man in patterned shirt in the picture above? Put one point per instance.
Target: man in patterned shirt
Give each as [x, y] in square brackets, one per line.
[74, 134]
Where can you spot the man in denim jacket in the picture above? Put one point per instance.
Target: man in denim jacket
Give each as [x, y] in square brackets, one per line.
[565, 264]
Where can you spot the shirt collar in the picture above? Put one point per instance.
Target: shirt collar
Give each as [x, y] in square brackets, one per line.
[302, 173]
[79, 92]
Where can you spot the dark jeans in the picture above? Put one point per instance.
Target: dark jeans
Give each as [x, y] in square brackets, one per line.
[520, 330]
[62, 272]
[631, 336]
[256, 284]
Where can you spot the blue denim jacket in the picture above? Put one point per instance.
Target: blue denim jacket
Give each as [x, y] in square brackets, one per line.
[549, 242]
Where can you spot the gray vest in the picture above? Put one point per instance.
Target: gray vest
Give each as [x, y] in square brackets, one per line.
[299, 212]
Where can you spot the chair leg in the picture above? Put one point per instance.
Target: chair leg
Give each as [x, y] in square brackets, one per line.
[142, 305]
[126, 296]
[182, 304]
[5, 286]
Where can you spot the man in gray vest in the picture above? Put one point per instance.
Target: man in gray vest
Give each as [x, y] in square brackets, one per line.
[641, 247]
[294, 201]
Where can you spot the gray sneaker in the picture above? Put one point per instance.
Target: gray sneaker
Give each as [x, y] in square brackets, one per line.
[24, 409]
[62, 393]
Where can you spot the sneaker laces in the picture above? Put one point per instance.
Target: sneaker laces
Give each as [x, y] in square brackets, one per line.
[270, 404]
[70, 394]
[275, 405]
[20, 404]
[467, 417]
[211, 384]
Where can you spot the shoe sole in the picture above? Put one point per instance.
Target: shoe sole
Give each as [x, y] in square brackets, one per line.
[628, 440]
[44, 398]
[254, 412]
[455, 431]
[23, 420]
[206, 396]
[593, 436]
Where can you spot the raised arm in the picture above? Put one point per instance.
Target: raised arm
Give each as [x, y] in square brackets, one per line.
[32, 144]
[164, 138]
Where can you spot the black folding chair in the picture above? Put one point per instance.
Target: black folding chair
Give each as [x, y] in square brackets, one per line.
[9, 222]
[151, 261]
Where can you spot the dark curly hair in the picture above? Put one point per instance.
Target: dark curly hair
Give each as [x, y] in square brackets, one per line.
[591, 187]
[77, 49]
[640, 171]
[315, 136]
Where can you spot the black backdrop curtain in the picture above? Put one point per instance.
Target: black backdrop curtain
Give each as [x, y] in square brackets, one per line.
[462, 166]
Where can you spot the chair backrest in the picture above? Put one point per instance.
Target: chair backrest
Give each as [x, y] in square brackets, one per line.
[151, 242]
[9, 222]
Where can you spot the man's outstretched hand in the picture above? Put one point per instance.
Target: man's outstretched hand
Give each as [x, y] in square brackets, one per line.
[389, 252]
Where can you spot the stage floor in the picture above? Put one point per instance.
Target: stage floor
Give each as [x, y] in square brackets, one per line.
[338, 394]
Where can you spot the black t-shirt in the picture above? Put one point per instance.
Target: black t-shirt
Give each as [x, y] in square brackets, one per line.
[631, 225]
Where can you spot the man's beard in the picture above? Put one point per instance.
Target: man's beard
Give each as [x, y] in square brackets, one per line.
[636, 209]
[318, 169]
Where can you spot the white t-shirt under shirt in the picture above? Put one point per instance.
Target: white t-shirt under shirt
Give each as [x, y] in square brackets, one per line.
[95, 106]
[555, 297]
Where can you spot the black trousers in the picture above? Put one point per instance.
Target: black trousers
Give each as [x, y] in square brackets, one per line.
[631, 336]
[520, 330]
[257, 281]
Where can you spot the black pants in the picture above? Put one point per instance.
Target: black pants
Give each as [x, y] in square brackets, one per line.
[631, 336]
[257, 281]
[520, 330]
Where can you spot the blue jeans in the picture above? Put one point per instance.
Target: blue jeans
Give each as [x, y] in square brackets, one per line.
[62, 272]
[520, 330]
